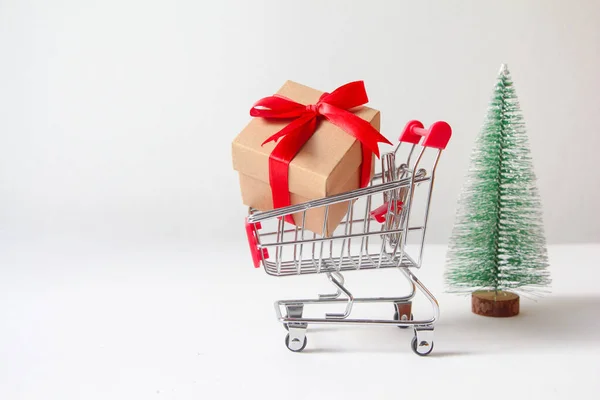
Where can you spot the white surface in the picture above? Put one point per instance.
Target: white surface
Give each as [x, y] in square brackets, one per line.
[118, 202]
[84, 320]
[117, 116]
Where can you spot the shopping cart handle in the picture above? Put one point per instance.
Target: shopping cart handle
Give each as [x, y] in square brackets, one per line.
[380, 212]
[437, 136]
[257, 252]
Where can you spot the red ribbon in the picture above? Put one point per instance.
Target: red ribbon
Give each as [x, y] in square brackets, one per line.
[333, 107]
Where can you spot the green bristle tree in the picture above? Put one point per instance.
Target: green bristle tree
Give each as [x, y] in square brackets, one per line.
[498, 244]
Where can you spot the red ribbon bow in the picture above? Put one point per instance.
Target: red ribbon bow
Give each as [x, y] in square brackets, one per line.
[332, 106]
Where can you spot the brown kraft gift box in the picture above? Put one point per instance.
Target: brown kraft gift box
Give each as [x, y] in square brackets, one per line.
[328, 164]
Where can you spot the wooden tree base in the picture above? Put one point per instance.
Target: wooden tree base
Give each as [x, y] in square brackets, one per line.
[495, 304]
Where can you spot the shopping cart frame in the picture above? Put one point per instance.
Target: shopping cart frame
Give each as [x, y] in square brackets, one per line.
[395, 185]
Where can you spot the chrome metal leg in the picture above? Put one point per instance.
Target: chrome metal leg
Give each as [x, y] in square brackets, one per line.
[413, 288]
[434, 303]
[296, 338]
[422, 343]
[294, 310]
[350, 300]
[338, 293]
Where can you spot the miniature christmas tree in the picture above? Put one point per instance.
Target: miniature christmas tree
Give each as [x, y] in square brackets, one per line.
[498, 246]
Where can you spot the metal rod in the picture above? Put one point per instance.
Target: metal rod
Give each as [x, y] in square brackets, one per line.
[350, 299]
[355, 235]
[298, 269]
[429, 192]
[279, 212]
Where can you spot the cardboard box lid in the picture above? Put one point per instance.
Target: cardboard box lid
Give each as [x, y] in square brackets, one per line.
[328, 158]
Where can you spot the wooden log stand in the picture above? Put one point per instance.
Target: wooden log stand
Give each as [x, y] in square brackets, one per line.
[495, 304]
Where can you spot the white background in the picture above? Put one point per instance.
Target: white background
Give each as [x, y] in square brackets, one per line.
[123, 267]
[117, 116]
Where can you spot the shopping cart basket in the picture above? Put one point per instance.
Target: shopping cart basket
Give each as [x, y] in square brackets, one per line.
[373, 235]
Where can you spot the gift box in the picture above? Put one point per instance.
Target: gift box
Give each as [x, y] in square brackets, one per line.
[329, 162]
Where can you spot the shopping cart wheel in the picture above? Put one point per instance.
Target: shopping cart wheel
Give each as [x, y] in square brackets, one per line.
[402, 312]
[295, 345]
[293, 311]
[398, 319]
[423, 348]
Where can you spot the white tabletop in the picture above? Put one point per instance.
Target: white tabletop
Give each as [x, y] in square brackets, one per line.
[91, 320]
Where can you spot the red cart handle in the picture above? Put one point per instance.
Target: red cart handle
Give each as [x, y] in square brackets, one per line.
[437, 136]
[256, 251]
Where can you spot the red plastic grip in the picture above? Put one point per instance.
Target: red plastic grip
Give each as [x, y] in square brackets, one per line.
[437, 136]
[380, 212]
[256, 252]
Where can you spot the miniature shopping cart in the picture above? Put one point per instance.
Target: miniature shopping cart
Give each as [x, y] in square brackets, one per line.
[377, 232]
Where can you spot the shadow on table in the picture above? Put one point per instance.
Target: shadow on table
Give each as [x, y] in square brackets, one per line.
[551, 322]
